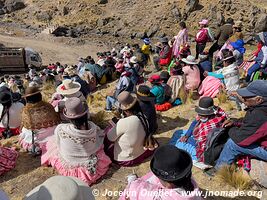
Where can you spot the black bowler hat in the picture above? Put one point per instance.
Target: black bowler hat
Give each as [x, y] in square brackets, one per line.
[143, 93]
[206, 107]
[5, 97]
[164, 75]
[171, 164]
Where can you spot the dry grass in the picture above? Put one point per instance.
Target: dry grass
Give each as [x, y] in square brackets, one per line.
[235, 177]
[100, 119]
[48, 90]
[222, 97]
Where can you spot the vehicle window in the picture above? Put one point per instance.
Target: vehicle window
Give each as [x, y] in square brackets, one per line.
[34, 58]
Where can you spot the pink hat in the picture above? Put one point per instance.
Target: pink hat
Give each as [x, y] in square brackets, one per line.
[75, 108]
[204, 22]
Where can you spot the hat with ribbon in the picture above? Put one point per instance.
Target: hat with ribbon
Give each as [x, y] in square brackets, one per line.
[127, 100]
[143, 93]
[30, 91]
[191, 60]
[206, 107]
[68, 87]
[75, 108]
[171, 164]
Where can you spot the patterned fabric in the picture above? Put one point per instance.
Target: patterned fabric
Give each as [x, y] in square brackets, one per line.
[39, 115]
[8, 159]
[202, 130]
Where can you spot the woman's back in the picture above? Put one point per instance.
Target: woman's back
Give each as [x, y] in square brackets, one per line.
[129, 138]
[77, 145]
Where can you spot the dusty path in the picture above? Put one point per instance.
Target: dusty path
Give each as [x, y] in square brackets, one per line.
[54, 49]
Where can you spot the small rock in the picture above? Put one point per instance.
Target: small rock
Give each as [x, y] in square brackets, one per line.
[103, 1]
[65, 10]
[220, 18]
[261, 24]
[152, 31]
[191, 5]
[44, 16]
[249, 39]
[176, 13]
[13, 5]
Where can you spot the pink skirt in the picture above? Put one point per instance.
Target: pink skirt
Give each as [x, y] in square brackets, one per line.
[50, 158]
[8, 159]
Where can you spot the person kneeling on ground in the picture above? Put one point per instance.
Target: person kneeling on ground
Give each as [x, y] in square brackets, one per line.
[209, 117]
[129, 142]
[77, 149]
[250, 138]
[171, 178]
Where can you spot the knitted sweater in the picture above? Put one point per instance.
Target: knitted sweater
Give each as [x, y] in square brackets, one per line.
[128, 137]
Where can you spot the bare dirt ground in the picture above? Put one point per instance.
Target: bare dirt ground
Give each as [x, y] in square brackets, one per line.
[28, 172]
[54, 49]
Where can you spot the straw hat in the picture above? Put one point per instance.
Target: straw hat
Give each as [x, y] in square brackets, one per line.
[191, 60]
[127, 100]
[61, 187]
[75, 108]
[68, 87]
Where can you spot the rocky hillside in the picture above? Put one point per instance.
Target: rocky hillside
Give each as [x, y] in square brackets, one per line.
[132, 18]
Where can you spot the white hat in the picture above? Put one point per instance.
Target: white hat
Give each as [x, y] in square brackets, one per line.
[68, 87]
[191, 60]
[61, 187]
[133, 60]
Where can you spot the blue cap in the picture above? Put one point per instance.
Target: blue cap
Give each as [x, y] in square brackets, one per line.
[146, 41]
[255, 88]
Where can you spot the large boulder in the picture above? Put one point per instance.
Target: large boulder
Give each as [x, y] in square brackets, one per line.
[261, 24]
[191, 5]
[152, 30]
[13, 5]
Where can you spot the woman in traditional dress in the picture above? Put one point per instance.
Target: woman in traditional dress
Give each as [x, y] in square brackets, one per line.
[77, 147]
[39, 121]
